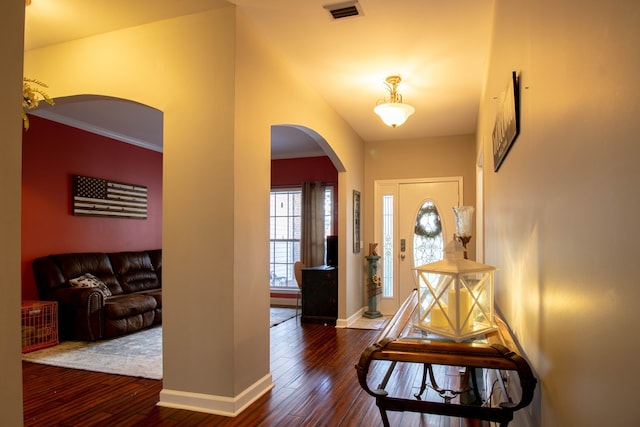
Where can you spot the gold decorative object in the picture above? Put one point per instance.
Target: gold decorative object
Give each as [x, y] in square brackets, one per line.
[372, 249]
[32, 94]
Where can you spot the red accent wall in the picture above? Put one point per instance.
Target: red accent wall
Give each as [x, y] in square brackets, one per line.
[295, 171]
[51, 154]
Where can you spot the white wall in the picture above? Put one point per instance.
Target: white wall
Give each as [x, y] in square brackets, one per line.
[11, 47]
[561, 214]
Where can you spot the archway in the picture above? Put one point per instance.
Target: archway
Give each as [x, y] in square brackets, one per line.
[298, 154]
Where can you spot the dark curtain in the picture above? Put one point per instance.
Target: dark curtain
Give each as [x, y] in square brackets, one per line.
[312, 238]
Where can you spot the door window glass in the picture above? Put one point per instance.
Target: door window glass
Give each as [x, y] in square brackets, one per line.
[428, 242]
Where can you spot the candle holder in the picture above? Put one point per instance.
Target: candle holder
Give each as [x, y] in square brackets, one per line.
[456, 296]
[464, 225]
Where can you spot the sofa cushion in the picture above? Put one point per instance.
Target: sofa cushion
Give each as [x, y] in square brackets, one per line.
[121, 306]
[156, 294]
[134, 271]
[97, 263]
[88, 280]
[127, 325]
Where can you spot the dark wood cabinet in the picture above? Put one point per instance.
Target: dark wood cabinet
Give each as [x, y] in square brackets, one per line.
[320, 295]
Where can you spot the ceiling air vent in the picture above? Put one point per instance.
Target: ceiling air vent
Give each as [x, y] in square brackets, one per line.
[344, 10]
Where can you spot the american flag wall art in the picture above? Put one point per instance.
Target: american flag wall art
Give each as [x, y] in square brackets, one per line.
[101, 197]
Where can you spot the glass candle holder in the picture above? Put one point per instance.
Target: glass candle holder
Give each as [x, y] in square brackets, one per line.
[464, 220]
[464, 224]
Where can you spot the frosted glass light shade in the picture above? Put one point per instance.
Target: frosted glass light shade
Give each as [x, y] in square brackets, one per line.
[394, 113]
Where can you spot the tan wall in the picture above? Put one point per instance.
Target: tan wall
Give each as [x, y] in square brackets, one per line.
[201, 70]
[11, 29]
[561, 214]
[447, 156]
[260, 104]
[168, 71]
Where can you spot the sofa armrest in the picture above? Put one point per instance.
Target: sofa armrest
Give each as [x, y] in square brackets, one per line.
[80, 313]
[76, 296]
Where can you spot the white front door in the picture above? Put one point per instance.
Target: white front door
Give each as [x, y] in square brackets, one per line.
[419, 222]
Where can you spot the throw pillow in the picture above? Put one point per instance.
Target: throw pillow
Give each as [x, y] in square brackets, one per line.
[88, 280]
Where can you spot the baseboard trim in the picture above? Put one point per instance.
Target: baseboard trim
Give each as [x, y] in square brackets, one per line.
[283, 302]
[345, 323]
[284, 297]
[217, 405]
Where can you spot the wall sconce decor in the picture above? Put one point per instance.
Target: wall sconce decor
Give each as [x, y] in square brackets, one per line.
[392, 111]
[455, 296]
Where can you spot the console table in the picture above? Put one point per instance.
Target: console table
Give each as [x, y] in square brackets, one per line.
[400, 342]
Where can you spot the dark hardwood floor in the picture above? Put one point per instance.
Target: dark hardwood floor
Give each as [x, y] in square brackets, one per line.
[315, 385]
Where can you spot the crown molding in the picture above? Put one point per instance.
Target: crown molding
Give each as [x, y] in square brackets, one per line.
[79, 124]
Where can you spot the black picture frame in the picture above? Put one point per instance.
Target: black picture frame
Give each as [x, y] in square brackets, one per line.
[356, 221]
[507, 124]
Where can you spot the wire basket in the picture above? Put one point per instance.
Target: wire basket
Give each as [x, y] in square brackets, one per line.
[39, 325]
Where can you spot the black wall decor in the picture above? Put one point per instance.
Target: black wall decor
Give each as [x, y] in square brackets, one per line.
[507, 125]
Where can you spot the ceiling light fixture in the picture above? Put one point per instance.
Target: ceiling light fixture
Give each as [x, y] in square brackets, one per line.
[392, 111]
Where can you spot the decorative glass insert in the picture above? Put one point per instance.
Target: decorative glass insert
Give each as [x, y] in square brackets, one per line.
[387, 246]
[428, 241]
[328, 211]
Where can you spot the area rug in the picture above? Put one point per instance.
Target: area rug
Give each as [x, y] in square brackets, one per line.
[135, 355]
[366, 323]
[281, 314]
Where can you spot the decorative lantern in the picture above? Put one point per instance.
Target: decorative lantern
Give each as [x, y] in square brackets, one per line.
[456, 296]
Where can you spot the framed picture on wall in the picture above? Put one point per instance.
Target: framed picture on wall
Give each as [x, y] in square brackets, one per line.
[507, 124]
[109, 199]
[356, 221]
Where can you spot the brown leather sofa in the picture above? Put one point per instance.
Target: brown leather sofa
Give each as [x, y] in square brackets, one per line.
[133, 300]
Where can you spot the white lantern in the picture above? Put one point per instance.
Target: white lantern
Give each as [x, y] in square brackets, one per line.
[456, 296]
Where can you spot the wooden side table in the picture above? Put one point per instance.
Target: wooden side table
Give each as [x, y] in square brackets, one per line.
[39, 324]
[320, 295]
[400, 342]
